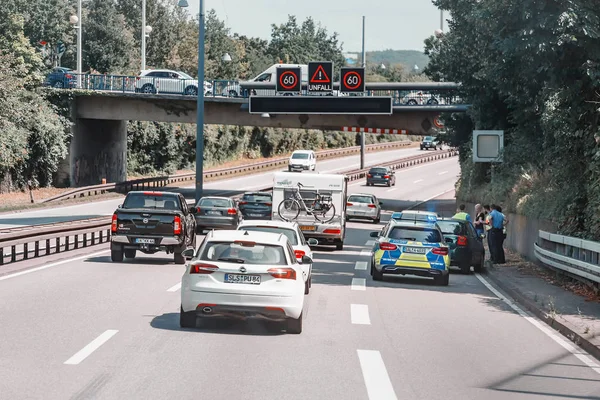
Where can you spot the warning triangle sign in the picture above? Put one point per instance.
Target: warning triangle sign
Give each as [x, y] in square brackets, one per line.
[320, 76]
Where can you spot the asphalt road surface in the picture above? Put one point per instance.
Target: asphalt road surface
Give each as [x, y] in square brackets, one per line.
[222, 187]
[87, 328]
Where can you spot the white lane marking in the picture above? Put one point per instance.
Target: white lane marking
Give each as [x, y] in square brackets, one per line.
[418, 180]
[392, 189]
[375, 375]
[359, 314]
[91, 347]
[443, 172]
[361, 265]
[370, 243]
[365, 253]
[52, 265]
[576, 351]
[359, 284]
[430, 198]
[174, 288]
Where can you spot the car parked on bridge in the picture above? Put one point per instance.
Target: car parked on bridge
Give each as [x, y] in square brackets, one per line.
[214, 212]
[420, 98]
[381, 176]
[169, 82]
[61, 77]
[430, 142]
[363, 206]
[243, 274]
[292, 230]
[466, 247]
[256, 205]
[151, 222]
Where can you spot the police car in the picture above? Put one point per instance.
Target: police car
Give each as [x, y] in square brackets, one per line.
[411, 247]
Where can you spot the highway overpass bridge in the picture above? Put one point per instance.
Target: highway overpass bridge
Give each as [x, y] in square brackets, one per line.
[100, 114]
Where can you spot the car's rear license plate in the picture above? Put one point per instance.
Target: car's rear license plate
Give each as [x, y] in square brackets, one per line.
[238, 278]
[307, 228]
[254, 215]
[144, 241]
[213, 213]
[415, 250]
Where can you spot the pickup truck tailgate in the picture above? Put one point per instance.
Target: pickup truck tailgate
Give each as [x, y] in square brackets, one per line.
[145, 222]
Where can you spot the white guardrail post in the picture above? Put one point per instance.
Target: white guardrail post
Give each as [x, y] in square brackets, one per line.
[577, 257]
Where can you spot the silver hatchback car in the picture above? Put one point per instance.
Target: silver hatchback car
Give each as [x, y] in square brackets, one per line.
[214, 212]
[363, 206]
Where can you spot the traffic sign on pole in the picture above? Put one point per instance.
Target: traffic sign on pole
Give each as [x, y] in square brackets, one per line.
[289, 80]
[352, 80]
[320, 77]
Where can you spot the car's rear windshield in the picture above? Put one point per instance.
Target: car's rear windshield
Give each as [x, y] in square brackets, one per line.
[378, 171]
[243, 253]
[300, 156]
[291, 235]
[214, 203]
[451, 227]
[155, 201]
[257, 198]
[417, 234]
[428, 138]
[360, 199]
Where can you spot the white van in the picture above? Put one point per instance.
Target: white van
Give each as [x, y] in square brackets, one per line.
[301, 160]
[268, 75]
[285, 186]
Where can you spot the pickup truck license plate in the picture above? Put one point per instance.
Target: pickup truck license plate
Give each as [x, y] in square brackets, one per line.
[415, 250]
[144, 241]
[238, 278]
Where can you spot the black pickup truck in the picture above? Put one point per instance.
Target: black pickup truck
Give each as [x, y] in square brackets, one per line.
[151, 222]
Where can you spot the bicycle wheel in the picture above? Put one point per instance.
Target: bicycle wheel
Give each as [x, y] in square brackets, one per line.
[289, 209]
[327, 215]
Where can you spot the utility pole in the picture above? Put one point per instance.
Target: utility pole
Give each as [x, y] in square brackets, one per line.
[143, 35]
[364, 65]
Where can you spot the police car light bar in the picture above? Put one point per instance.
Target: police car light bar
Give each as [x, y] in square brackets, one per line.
[399, 216]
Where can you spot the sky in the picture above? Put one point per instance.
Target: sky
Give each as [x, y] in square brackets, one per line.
[390, 24]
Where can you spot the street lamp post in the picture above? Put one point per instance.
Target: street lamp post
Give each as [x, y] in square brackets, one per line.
[77, 24]
[146, 29]
[200, 102]
[364, 64]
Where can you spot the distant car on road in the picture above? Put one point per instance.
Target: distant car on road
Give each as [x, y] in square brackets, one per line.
[411, 248]
[246, 275]
[381, 176]
[363, 206]
[466, 247]
[430, 142]
[292, 230]
[151, 222]
[302, 160]
[214, 212]
[256, 205]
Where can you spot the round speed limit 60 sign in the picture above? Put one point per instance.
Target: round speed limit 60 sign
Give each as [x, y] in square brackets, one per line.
[288, 80]
[353, 80]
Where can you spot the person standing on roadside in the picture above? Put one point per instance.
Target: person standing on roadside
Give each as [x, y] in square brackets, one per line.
[461, 214]
[487, 226]
[497, 235]
[503, 225]
[479, 220]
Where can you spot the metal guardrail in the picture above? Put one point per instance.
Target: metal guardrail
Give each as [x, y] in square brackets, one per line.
[55, 238]
[576, 257]
[161, 181]
[403, 93]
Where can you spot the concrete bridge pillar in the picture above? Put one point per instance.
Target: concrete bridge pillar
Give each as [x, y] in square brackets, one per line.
[98, 151]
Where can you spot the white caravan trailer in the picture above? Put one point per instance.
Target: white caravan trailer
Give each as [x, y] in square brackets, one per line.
[332, 232]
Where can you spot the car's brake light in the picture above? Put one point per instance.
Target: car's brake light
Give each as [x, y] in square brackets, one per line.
[268, 204]
[299, 253]
[68, 76]
[332, 231]
[243, 202]
[282, 273]
[152, 194]
[461, 241]
[387, 246]
[386, 176]
[441, 251]
[349, 204]
[231, 211]
[369, 175]
[372, 206]
[177, 225]
[113, 226]
[203, 268]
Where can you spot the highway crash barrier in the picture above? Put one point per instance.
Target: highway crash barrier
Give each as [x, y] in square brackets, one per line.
[161, 181]
[574, 257]
[24, 243]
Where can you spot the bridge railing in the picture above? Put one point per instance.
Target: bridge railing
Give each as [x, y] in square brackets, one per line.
[410, 94]
[575, 257]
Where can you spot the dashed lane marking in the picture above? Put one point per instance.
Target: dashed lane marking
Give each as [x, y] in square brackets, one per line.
[91, 347]
[378, 383]
[365, 253]
[359, 314]
[174, 288]
[359, 284]
[370, 243]
[361, 265]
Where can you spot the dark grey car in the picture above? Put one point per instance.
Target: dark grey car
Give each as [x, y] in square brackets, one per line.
[430, 142]
[256, 205]
[217, 213]
[381, 176]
